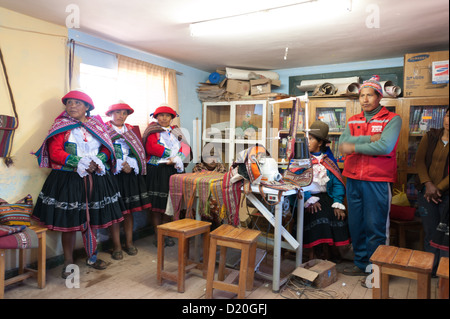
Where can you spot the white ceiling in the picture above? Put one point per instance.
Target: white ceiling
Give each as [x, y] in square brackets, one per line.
[162, 28]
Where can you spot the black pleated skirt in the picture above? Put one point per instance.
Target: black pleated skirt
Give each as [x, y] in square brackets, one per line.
[61, 204]
[133, 191]
[323, 227]
[158, 177]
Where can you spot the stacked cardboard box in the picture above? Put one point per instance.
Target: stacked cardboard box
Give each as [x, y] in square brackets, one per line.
[426, 74]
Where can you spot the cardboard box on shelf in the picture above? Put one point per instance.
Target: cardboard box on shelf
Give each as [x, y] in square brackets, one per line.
[321, 273]
[259, 86]
[262, 86]
[238, 87]
[419, 70]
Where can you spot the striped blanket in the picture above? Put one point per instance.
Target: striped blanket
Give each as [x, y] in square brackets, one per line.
[17, 237]
[184, 187]
[64, 123]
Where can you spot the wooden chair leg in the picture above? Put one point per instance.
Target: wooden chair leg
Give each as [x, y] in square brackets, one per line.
[251, 267]
[211, 268]
[423, 286]
[222, 262]
[181, 263]
[243, 271]
[2, 272]
[160, 262]
[42, 260]
[205, 253]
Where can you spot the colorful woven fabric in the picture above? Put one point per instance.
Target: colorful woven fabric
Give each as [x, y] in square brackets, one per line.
[184, 188]
[231, 193]
[133, 142]
[64, 123]
[374, 83]
[17, 237]
[18, 213]
[7, 125]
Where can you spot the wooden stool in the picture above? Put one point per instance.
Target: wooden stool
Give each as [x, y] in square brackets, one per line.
[407, 263]
[239, 238]
[400, 228]
[442, 273]
[182, 229]
[25, 273]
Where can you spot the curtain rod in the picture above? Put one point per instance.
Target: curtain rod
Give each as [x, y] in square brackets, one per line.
[105, 51]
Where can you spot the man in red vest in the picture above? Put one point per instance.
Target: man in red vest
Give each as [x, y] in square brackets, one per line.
[369, 144]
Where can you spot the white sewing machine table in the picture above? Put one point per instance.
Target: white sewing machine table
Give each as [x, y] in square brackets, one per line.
[279, 231]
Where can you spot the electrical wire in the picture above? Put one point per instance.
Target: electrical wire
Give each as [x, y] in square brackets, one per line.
[297, 288]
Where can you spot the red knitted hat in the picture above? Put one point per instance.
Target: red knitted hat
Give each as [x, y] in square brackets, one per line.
[78, 95]
[119, 106]
[164, 108]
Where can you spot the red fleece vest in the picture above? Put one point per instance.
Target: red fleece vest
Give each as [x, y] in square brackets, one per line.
[376, 168]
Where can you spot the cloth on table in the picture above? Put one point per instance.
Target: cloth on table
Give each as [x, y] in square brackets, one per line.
[17, 237]
[184, 188]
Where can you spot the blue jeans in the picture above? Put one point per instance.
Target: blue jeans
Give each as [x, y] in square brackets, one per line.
[369, 204]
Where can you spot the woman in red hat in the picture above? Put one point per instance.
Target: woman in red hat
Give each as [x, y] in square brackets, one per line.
[130, 171]
[79, 194]
[167, 152]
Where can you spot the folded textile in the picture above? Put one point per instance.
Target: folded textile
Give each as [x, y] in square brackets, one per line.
[17, 237]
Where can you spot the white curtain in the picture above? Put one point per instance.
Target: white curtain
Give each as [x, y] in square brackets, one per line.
[144, 87]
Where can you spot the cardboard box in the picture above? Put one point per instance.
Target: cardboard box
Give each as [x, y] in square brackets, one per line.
[260, 86]
[419, 71]
[321, 273]
[238, 87]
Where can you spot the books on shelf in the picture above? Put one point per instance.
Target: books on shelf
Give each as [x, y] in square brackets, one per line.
[423, 118]
[334, 118]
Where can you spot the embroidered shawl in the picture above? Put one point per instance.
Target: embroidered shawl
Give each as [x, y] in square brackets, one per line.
[133, 142]
[329, 165]
[94, 125]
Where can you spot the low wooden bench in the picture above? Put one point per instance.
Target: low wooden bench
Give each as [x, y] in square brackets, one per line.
[442, 273]
[182, 229]
[239, 238]
[24, 272]
[401, 262]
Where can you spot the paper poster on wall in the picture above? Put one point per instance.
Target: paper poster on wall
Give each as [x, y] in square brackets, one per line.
[439, 72]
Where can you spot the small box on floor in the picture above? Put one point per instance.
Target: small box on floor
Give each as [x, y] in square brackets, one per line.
[321, 273]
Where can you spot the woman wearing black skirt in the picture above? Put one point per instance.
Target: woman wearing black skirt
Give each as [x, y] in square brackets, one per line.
[325, 219]
[130, 171]
[79, 194]
[167, 152]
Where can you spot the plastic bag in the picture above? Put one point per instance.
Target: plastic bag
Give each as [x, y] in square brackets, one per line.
[400, 198]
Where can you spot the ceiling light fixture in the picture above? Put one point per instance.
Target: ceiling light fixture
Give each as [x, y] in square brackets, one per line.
[233, 23]
[284, 17]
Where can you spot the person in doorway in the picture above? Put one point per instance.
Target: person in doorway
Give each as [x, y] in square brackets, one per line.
[325, 218]
[131, 168]
[79, 194]
[167, 152]
[432, 183]
[369, 143]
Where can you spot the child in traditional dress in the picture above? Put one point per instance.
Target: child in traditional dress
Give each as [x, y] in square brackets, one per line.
[325, 218]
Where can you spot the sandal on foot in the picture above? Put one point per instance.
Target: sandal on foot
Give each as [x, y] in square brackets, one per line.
[169, 242]
[65, 274]
[117, 255]
[354, 271]
[131, 250]
[99, 264]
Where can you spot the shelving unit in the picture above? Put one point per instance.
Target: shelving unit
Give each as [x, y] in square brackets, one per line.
[230, 127]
